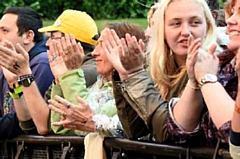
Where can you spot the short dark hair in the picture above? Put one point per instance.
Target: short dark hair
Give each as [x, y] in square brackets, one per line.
[28, 19]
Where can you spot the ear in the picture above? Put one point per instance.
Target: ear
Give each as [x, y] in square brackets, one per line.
[28, 37]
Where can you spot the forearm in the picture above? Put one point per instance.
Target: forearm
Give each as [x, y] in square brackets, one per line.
[191, 101]
[21, 109]
[145, 99]
[132, 123]
[220, 105]
[37, 107]
[236, 114]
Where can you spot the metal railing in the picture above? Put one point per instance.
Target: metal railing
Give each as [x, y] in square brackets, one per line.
[61, 147]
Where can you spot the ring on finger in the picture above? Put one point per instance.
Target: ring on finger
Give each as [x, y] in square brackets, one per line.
[84, 120]
[65, 52]
[54, 57]
[68, 105]
[16, 66]
[64, 114]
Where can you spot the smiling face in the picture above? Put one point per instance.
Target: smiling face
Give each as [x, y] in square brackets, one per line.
[104, 66]
[183, 18]
[233, 27]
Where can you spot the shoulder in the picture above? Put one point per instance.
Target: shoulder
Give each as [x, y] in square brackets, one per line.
[40, 58]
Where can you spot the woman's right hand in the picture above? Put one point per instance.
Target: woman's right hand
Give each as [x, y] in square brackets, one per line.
[126, 54]
[193, 48]
[112, 47]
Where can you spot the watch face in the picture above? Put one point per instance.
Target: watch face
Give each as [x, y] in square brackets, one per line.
[26, 82]
[210, 77]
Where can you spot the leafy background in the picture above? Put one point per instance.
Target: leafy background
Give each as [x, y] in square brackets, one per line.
[98, 9]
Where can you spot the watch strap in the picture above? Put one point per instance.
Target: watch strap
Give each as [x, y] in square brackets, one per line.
[204, 81]
[15, 92]
[25, 80]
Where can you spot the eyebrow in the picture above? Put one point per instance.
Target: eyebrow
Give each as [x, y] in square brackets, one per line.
[3, 27]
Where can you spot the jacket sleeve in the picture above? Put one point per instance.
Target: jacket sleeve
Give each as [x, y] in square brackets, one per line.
[132, 124]
[71, 83]
[146, 102]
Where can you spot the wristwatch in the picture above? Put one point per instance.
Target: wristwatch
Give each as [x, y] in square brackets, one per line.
[207, 78]
[25, 80]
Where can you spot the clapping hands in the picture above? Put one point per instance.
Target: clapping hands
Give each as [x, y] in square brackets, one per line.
[126, 54]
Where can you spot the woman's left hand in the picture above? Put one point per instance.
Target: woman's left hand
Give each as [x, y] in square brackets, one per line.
[78, 117]
[206, 63]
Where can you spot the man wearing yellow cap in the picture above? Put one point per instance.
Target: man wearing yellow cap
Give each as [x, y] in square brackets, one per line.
[83, 27]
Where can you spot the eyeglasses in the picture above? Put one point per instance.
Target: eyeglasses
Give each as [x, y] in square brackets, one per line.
[56, 38]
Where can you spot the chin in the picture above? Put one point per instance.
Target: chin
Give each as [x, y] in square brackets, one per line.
[233, 46]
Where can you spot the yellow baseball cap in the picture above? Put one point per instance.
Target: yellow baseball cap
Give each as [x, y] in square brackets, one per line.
[78, 23]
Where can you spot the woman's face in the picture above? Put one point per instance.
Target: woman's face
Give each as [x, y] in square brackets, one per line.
[183, 18]
[148, 31]
[233, 28]
[104, 67]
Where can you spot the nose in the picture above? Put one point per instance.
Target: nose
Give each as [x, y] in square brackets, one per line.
[48, 42]
[185, 30]
[148, 32]
[1, 36]
[231, 20]
[95, 52]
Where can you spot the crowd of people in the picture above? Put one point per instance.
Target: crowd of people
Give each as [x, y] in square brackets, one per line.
[175, 82]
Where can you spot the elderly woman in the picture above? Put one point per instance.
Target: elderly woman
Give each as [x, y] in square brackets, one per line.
[97, 112]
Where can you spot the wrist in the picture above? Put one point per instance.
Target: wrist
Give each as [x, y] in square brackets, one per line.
[135, 72]
[26, 80]
[193, 84]
[15, 91]
[25, 72]
[207, 78]
[123, 76]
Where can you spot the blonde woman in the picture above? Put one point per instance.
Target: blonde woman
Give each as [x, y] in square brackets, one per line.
[141, 99]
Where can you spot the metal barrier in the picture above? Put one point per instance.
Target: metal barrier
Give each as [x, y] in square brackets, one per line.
[72, 147]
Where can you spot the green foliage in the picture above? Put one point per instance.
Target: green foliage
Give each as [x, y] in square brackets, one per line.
[98, 9]
[221, 3]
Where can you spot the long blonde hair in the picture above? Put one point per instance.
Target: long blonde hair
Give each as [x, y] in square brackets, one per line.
[169, 78]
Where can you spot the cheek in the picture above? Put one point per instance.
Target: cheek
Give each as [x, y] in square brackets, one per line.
[200, 33]
[170, 39]
[109, 66]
